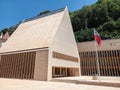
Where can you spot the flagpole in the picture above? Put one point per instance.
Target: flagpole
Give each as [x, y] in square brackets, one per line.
[97, 61]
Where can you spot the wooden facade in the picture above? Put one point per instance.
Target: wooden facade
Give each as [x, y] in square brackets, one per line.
[19, 65]
[109, 62]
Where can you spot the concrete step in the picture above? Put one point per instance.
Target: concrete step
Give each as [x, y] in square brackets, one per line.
[89, 82]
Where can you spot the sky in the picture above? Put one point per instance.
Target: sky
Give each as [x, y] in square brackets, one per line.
[13, 11]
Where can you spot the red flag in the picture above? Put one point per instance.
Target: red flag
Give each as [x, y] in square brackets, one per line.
[97, 37]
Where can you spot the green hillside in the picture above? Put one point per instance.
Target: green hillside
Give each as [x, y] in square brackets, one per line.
[104, 16]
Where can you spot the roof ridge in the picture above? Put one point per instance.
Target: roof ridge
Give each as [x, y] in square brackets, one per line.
[43, 15]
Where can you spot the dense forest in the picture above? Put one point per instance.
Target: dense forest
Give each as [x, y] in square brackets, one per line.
[104, 16]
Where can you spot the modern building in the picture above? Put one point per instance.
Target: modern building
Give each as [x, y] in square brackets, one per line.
[3, 38]
[41, 48]
[108, 55]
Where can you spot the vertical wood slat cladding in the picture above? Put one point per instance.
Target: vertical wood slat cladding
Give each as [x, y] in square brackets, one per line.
[109, 62]
[115, 58]
[118, 63]
[20, 65]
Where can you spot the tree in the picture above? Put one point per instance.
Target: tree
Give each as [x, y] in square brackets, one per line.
[44, 12]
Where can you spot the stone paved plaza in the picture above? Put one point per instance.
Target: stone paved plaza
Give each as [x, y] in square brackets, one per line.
[19, 84]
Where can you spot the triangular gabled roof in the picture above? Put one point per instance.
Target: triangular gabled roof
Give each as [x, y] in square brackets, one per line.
[34, 33]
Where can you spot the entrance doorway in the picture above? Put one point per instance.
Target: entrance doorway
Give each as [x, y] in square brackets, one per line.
[64, 72]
